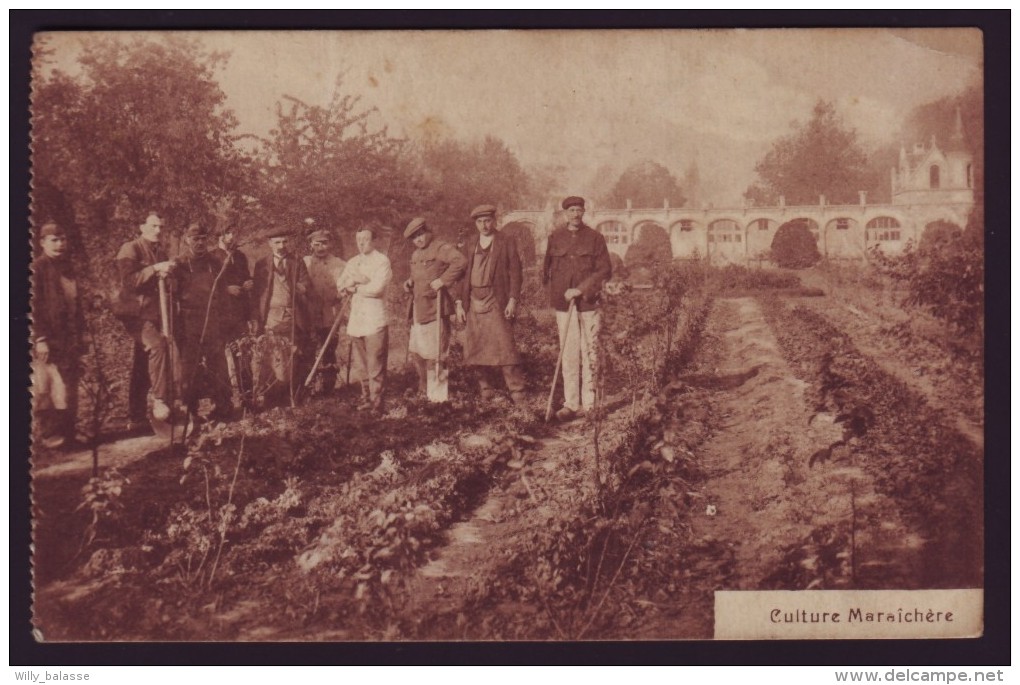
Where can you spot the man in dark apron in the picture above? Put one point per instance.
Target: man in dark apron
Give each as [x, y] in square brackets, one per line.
[487, 304]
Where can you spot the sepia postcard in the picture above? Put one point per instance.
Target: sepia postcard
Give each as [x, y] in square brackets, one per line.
[505, 335]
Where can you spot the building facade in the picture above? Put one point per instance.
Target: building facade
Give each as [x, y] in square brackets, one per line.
[931, 185]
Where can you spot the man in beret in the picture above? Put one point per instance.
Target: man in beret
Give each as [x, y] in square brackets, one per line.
[436, 266]
[141, 263]
[203, 299]
[576, 267]
[237, 282]
[57, 328]
[365, 278]
[487, 303]
[281, 290]
[324, 270]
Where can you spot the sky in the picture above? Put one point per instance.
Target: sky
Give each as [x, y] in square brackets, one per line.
[585, 99]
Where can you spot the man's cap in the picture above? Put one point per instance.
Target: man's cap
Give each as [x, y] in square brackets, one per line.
[417, 224]
[483, 210]
[51, 228]
[196, 230]
[573, 201]
[278, 231]
[321, 234]
[225, 228]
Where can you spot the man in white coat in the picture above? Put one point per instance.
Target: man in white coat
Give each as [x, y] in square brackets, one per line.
[365, 277]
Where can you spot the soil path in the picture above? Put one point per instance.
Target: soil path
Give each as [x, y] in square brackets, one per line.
[764, 504]
[111, 455]
[476, 546]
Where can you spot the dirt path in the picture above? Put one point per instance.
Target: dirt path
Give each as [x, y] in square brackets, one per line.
[111, 455]
[769, 518]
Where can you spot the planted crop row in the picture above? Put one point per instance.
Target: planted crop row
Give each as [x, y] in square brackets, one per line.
[925, 465]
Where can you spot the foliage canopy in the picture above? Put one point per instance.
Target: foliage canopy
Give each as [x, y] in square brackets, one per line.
[820, 157]
[645, 184]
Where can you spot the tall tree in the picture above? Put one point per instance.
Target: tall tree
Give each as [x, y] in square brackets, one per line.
[141, 125]
[464, 175]
[328, 164]
[645, 184]
[820, 157]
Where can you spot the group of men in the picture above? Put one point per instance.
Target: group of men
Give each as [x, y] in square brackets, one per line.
[190, 308]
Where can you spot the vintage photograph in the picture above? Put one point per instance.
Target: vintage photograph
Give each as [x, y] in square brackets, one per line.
[504, 335]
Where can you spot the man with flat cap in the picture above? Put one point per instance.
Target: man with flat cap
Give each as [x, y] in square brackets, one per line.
[57, 327]
[324, 270]
[576, 267]
[141, 263]
[487, 303]
[281, 290]
[203, 299]
[436, 266]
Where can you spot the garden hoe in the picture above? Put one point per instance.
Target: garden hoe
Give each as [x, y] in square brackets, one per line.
[559, 364]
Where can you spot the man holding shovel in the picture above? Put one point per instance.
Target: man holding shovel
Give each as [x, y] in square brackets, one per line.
[436, 266]
[575, 269]
[142, 264]
[324, 304]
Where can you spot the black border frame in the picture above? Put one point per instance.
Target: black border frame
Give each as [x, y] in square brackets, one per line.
[991, 649]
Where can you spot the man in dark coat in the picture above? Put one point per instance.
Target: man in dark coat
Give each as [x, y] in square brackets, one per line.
[57, 328]
[436, 266]
[487, 304]
[281, 293]
[141, 263]
[576, 267]
[324, 303]
[203, 299]
[238, 284]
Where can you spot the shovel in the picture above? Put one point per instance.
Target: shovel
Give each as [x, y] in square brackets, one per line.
[322, 352]
[437, 386]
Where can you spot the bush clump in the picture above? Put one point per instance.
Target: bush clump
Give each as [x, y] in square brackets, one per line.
[794, 246]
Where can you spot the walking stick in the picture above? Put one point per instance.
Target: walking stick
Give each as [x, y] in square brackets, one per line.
[559, 363]
[350, 351]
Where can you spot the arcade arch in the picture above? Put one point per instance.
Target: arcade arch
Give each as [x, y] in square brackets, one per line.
[726, 242]
[615, 232]
[651, 244]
